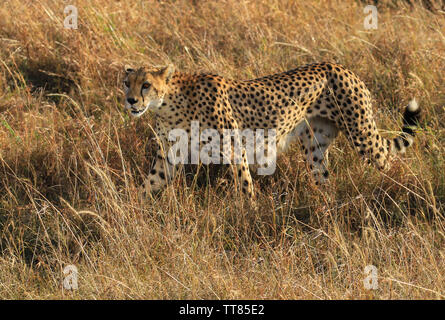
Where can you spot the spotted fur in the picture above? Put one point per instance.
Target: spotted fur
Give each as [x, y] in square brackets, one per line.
[312, 104]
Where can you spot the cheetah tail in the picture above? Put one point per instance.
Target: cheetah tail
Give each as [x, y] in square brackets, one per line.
[411, 118]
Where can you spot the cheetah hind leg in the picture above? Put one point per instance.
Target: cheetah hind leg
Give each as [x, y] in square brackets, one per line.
[316, 134]
[378, 150]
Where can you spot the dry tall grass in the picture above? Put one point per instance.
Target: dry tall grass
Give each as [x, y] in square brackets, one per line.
[71, 159]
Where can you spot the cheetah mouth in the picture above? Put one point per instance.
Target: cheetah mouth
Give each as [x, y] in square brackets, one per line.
[138, 113]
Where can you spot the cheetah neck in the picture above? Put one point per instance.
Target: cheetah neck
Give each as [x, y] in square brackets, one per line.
[177, 97]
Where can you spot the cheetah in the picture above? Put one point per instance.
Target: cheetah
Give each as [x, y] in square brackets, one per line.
[311, 103]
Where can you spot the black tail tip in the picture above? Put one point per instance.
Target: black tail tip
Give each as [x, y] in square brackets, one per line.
[411, 117]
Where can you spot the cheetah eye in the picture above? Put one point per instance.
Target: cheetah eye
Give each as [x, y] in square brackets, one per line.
[146, 85]
[127, 83]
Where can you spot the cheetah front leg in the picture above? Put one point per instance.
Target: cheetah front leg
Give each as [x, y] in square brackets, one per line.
[245, 178]
[241, 176]
[160, 174]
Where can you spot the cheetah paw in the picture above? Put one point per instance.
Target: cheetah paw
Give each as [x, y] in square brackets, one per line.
[144, 191]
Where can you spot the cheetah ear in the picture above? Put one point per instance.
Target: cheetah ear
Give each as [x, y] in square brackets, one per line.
[128, 69]
[167, 72]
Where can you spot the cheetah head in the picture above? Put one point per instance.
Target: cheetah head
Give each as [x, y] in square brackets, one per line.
[145, 88]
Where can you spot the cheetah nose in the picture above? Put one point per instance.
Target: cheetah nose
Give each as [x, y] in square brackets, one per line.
[132, 100]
